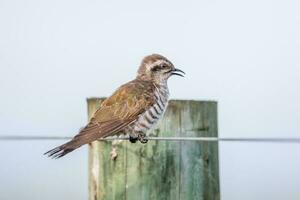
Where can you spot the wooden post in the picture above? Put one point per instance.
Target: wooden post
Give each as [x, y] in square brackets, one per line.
[186, 170]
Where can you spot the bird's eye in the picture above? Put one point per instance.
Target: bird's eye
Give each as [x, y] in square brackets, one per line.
[157, 68]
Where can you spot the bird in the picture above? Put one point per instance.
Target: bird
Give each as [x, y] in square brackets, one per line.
[133, 109]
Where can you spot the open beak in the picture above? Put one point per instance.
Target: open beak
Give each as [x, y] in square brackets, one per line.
[175, 72]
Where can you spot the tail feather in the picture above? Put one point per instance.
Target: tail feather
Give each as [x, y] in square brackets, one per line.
[61, 150]
[91, 132]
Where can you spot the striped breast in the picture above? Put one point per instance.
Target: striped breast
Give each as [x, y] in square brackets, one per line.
[150, 117]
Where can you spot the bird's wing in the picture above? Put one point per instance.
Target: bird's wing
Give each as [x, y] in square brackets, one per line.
[115, 113]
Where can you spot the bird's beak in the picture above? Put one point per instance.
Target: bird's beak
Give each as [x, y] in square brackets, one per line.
[178, 74]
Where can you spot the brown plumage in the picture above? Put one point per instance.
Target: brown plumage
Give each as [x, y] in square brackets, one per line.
[132, 109]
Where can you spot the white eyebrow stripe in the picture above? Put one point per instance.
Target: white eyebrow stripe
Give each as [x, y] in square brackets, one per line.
[158, 62]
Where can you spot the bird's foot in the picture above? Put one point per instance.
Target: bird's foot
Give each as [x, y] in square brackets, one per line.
[142, 138]
[133, 139]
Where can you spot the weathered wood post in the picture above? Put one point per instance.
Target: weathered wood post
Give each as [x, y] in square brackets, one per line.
[186, 170]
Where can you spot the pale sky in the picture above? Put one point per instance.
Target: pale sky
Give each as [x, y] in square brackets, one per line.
[244, 54]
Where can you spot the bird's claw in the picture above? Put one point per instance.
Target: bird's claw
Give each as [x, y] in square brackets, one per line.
[142, 139]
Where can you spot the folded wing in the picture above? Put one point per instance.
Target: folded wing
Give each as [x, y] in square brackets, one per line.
[114, 114]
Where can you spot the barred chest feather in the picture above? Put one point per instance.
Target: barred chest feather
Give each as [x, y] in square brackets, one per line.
[147, 120]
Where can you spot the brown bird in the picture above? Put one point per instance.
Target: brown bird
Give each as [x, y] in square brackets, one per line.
[133, 109]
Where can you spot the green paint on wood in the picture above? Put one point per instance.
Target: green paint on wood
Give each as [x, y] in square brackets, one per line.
[163, 170]
[107, 177]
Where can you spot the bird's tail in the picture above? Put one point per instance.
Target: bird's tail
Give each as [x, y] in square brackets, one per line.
[64, 149]
[87, 135]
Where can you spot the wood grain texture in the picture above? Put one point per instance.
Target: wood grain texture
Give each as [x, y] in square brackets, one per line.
[186, 170]
[106, 176]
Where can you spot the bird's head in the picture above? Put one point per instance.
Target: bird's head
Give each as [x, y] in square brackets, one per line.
[157, 68]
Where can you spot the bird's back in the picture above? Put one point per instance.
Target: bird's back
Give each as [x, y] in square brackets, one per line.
[115, 115]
